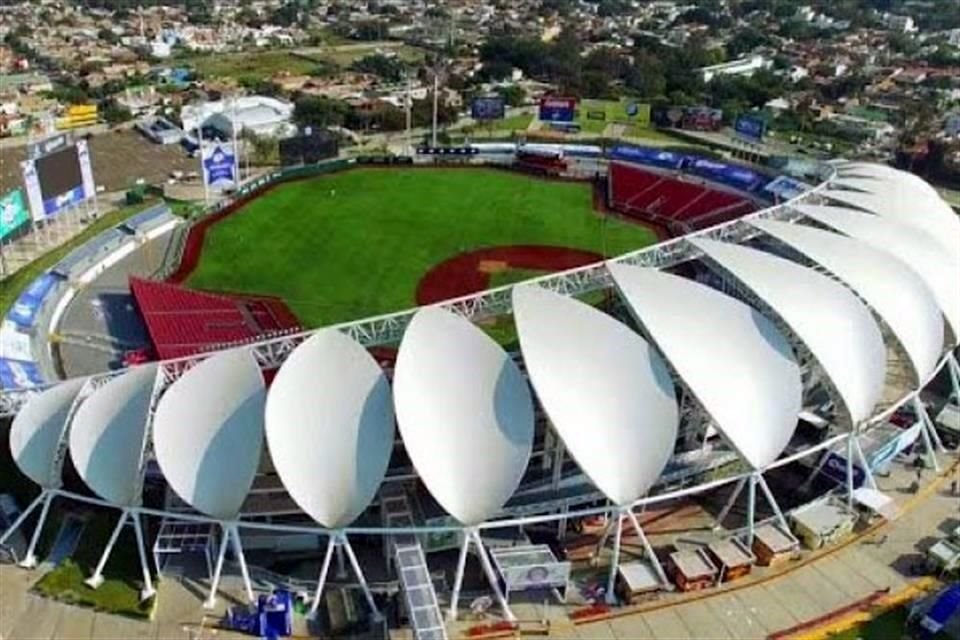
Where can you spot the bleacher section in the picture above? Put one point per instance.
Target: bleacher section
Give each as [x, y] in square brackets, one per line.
[147, 223]
[681, 203]
[182, 322]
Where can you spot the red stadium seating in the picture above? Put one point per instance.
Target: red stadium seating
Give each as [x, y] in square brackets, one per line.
[682, 203]
[182, 322]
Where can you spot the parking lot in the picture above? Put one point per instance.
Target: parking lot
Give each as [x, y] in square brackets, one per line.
[120, 158]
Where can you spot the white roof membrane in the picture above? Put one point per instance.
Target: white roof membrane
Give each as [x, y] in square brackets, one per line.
[906, 205]
[732, 359]
[892, 289]
[37, 428]
[330, 427]
[465, 414]
[930, 259]
[607, 392]
[826, 316]
[208, 432]
[106, 436]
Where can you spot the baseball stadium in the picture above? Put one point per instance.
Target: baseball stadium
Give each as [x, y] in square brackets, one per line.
[490, 391]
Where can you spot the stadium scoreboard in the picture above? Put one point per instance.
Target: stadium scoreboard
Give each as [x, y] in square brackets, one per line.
[57, 175]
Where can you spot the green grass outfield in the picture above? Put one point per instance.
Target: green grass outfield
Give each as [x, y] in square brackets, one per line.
[357, 243]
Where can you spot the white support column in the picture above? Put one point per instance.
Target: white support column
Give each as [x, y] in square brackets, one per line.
[30, 559]
[954, 368]
[322, 580]
[148, 591]
[603, 539]
[731, 501]
[615, 560]
[850, 452]
[562, 523]
[492, 576]
[215, 583]
[921, 413]
[234, 532]
[458, 576]
[648, 549]
[96, 579]
[771, 501]
[557, 470]
[869, 479]
[345, 543]
[23, 516]
[341, 562]
[751, 507]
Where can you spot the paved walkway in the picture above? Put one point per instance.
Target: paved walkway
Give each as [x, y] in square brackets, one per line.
[830, 580]
[822, 583]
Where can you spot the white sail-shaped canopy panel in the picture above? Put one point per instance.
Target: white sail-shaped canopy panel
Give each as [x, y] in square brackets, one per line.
[607, 392]
[37, 428]
[930, 259]
[873, 171]
[208, 432]
[892, 289]
[465, 413]
[826, 316]
[906, 205]
[733, 360]
[106, 435]
[330, 427]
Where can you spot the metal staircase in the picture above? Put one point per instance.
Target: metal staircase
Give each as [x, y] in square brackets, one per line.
[408, 559]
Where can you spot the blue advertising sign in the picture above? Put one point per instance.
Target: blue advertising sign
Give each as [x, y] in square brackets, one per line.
[786, 188]
[733, 175]
[649, 156]
[52, 206]
[18, 374]
[25, 309]
[220, 166]
[488, 108]
[835, 468]
[750, 128]
[557, 109]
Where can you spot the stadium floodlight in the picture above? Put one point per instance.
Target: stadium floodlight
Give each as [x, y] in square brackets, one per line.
[894, 291]
[211, 465]
[466, 416]
[733, 360]
[912, 245]
[108, 438]
[609, 396]
[330, 390]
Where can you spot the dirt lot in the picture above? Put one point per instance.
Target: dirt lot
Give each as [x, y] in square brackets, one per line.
[119, 158]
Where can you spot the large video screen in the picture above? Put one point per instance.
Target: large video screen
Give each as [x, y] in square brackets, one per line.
[59, 173]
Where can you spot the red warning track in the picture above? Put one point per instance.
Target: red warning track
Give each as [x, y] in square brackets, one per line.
[470, 272]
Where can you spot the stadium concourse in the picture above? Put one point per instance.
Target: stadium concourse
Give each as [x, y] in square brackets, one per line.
[837, 307]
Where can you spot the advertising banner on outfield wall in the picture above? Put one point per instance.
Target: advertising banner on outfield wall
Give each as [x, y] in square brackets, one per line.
[557, 109]
[488, 108]
[13, 213]
[219, 163]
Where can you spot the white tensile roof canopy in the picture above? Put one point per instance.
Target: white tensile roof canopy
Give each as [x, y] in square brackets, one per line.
[731, 358]
[607, 392]
[903, 203]
[830, 321]
[892, 289]
[330, 427]
[36, 430]
[931, 260]
[465, 414]
[107, 433]
[208, 432]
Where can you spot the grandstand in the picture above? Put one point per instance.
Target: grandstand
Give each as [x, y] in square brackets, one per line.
[182, 322]
[678, 201]
[695, 381]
